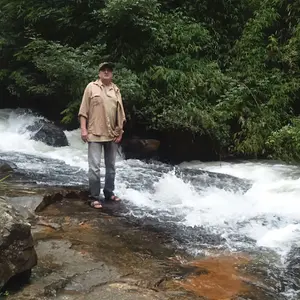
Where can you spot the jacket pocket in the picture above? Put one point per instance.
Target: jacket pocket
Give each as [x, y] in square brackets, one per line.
[96, 99]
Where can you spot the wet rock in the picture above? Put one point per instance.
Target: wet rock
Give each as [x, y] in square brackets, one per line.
[46, 171]
[203, 179]
[48, 133]
[140, 148]
[17, 253]
[6, 167]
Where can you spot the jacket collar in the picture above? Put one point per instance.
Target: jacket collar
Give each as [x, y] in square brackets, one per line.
[101, 84]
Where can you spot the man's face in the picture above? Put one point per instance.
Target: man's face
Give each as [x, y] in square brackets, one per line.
[106, 74]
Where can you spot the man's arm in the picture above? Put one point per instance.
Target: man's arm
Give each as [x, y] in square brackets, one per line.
[122, 117]
[84, 113]
[83, 127]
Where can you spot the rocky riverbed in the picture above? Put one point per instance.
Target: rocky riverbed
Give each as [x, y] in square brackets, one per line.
[85, 253]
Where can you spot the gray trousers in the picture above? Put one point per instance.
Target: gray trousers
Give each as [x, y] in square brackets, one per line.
[94, 159]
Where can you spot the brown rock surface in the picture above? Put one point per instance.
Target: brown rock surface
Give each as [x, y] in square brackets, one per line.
[87, 254]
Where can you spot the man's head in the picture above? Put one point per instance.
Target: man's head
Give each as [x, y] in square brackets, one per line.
[106, 72]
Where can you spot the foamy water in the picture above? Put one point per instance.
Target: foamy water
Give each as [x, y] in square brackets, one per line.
[15, 138]
[268, 213]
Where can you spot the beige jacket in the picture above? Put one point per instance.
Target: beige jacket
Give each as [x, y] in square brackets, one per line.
[93, 109]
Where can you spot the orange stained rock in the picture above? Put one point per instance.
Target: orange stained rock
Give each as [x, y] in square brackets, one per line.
[217, 278]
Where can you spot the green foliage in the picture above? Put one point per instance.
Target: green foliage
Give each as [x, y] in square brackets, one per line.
[285, 142]
[228, 70]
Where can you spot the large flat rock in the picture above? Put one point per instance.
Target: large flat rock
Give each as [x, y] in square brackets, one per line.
[87, 254]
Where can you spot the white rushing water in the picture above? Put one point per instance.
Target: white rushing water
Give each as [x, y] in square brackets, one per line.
[268, 213]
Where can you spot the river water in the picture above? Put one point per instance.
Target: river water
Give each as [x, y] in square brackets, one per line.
[250, 206]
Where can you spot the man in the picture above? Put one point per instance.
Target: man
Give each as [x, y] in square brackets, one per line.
[102, 117]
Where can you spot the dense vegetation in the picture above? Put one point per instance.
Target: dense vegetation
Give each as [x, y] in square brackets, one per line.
[227, 70]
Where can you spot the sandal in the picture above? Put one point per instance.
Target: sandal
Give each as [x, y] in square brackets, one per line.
[113, 198]
[95, 204]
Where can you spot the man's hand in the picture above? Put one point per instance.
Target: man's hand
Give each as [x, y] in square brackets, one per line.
[118, 139]
[84, 134]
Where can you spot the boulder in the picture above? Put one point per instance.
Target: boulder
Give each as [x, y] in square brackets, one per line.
[17, 253]
[140, 148]
[48, 133]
